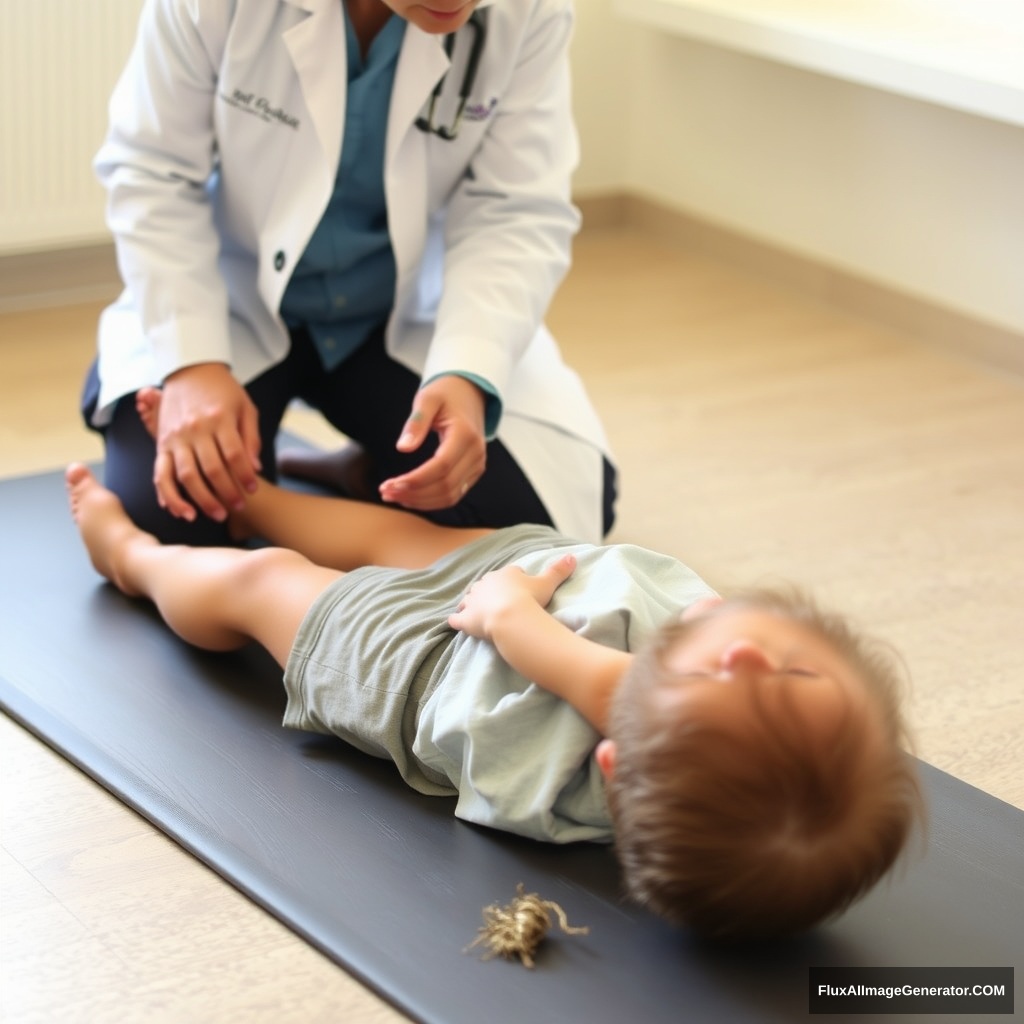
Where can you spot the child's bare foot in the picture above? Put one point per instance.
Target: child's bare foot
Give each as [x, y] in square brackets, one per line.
[147, 405]
[106, 530]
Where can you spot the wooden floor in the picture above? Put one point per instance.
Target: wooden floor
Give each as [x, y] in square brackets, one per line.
[761, 437]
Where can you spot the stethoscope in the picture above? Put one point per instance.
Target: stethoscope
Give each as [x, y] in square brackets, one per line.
[478, 23]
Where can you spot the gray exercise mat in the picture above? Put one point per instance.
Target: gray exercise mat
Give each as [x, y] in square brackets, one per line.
[387, 882]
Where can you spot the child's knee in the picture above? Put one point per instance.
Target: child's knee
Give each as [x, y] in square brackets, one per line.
[269, 565]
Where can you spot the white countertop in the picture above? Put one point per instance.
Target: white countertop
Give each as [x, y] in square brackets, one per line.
[964, 54]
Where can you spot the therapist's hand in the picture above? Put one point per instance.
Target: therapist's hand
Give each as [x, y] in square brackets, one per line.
[453, 408]
[207, 443]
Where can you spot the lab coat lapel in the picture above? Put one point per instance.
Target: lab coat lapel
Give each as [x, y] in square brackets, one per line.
[316, 46]
[421, 64]
[321, 67]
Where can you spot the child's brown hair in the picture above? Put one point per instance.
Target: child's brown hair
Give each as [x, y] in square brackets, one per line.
[756, 833]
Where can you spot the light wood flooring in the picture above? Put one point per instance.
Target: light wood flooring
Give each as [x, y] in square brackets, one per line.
[760, 437]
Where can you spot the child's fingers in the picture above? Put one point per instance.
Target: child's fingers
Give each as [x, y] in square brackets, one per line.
[552, 577]
[561, 568]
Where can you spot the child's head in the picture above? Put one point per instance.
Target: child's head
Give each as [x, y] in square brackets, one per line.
[756, 768]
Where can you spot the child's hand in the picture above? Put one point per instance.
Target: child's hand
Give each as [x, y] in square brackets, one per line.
[495, 598]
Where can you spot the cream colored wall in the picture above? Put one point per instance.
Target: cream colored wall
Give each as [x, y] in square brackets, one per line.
[915, 196]
[602, 94]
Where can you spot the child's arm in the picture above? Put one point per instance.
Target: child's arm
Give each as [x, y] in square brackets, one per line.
[507, 608]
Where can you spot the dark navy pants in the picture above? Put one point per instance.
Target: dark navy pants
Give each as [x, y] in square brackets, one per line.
[368, 398]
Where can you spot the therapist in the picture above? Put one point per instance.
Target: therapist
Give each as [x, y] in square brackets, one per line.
[364, 204]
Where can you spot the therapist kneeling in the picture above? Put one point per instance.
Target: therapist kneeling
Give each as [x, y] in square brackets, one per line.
[364, 205]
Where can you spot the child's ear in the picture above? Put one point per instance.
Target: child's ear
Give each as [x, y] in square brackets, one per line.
[605, 757]
[700, 606]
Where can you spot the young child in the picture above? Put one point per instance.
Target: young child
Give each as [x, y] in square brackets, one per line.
[747, 762]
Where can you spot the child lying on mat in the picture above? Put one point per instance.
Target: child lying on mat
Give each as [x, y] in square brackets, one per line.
[751, 771]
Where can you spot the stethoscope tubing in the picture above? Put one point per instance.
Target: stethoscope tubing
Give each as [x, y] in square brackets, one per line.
[477, 23]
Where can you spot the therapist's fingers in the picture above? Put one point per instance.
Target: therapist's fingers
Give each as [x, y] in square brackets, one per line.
[445, 402]
[200, 471]
[231, 471]
[451, 407]
[167, 494]
[428, 488]
[445, 478]
[227, 452]
[208, 443]
[415, 430]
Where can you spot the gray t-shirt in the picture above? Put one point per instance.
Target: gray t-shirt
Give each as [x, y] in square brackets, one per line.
[376, 663]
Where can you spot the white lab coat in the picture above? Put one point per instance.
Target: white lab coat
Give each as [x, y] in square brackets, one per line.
[224, 142]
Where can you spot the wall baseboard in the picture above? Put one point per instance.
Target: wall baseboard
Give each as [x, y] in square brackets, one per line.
[960, 334]
[58, 277]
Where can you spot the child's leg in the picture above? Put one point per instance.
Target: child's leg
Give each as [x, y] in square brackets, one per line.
[334, 531]
[216, 598]
[345, 534]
